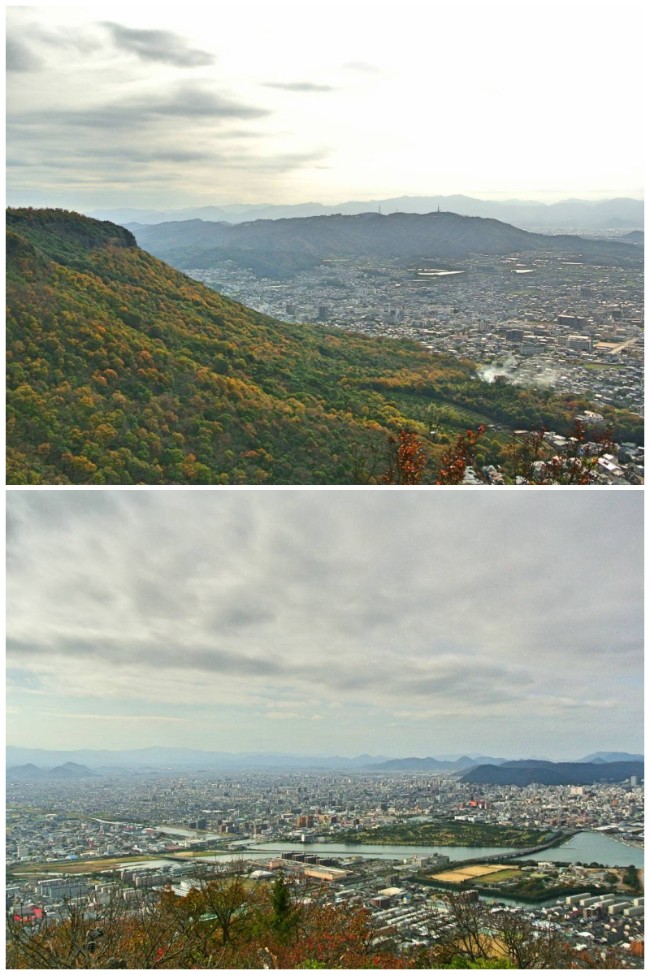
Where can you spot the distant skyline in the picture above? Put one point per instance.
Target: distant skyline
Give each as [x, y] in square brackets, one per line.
[113, 105]
[327, 622]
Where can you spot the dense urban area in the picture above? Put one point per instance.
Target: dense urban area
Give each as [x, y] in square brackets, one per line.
[574, 327]
[143, 833]
[540, 321]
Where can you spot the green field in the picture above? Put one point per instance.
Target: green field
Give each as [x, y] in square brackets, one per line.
[604, 365]
[79, 866]
[501, 875]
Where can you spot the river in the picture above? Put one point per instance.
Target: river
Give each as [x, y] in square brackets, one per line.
[584, 847]
[371, 851]
[591, 847]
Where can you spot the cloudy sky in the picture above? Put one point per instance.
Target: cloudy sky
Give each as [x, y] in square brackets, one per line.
[171, 105]
[326, 622]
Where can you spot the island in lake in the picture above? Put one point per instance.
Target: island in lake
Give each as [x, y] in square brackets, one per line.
[448, 833]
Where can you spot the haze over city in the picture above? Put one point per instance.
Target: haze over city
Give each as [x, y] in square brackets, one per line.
[393, 623]
[133, 106]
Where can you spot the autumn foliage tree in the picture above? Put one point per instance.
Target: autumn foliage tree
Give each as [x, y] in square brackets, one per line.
[482, 937]
[120, 370]
[225, 921]
[407, 461]
[459, 457]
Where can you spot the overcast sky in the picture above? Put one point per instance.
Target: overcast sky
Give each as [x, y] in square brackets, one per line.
[173, 105]
[327, 622]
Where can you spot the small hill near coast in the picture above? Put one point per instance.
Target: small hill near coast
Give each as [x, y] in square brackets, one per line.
[527, 772]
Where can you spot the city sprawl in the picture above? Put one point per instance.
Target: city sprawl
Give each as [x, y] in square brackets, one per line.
[566, 856]
[573, 327]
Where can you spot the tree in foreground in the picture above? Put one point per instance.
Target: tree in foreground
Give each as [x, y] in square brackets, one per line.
[459, 457]
[407, 460]
[529, 459]
[226, 921]
[230, 921]
[482, 937]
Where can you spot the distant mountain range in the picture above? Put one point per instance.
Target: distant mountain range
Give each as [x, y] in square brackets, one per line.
[435, 764]
[280, 248]
[69, 770]
[612, 757]
[527, 772]
[183, 758]
[571, 215]
[25, 763]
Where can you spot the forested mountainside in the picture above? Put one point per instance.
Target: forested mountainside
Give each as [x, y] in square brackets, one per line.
[121, 370]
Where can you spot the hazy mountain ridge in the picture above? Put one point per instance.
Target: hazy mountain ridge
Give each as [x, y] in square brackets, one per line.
[278, 248]
[528, 214]
[161, 757]
[19, 757]
[612, 757]
[429, 764]
[69, 770]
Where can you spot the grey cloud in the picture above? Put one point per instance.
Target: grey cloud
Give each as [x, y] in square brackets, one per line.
[52, 513]
[25, 648]
[89, 162]
[138, 140]
[147, 654]
[442, 600]
[187, 102]
[157, 45]
[59, 37]
[130, 153]
[151, 598]
[214, 661]
[241, 617]
[282, 163]
[12, 529]
[20, 57]
[470, 683]
[298, 86]
[190, 102]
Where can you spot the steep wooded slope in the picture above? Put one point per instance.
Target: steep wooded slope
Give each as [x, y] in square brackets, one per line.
[121, 370]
